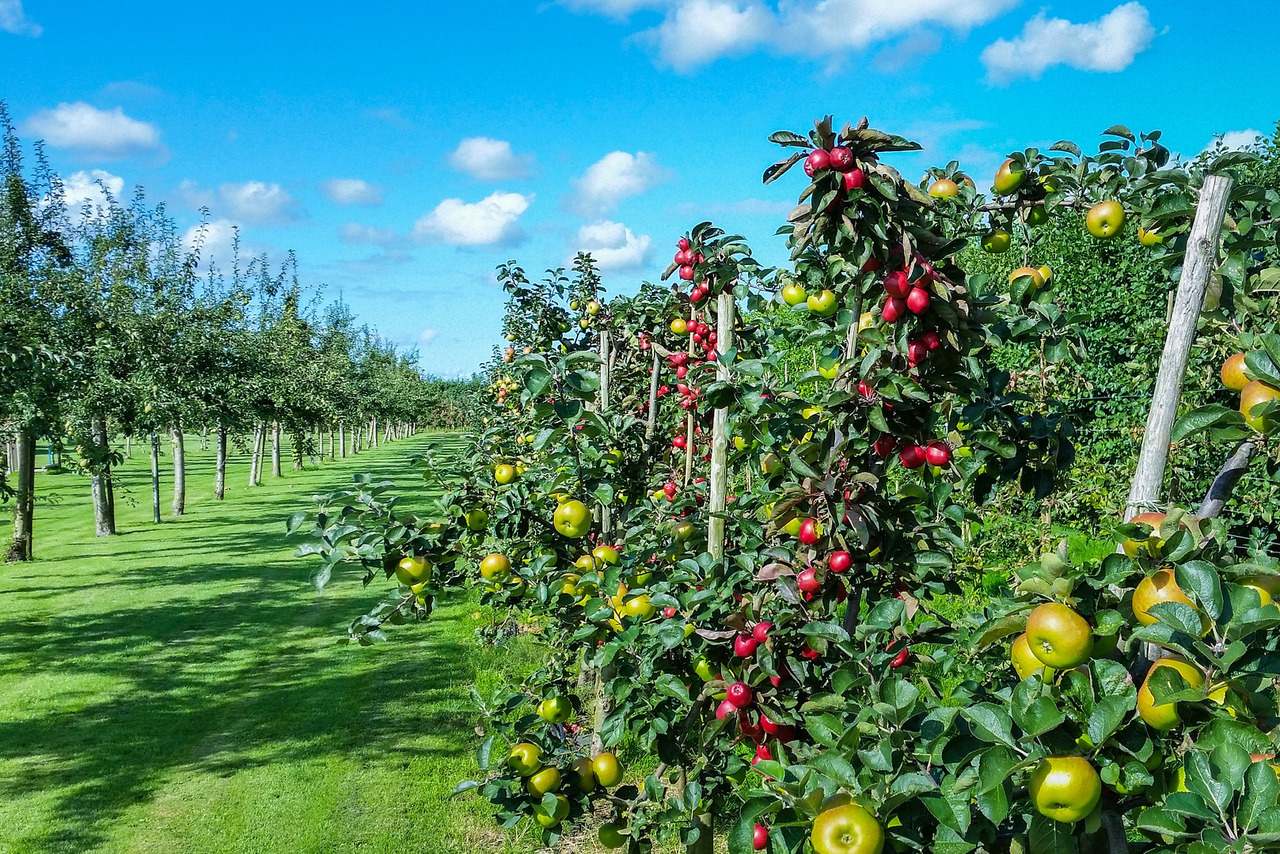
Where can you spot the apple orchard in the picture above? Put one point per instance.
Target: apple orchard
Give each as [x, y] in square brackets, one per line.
[742, 570]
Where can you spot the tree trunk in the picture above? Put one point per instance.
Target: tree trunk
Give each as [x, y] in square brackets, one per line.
[342, 439]
[275, 450]
[298, 438]
[705, 843]
[373, 432]
[128, 446]
[103, 496]
[24, 502]
[179, 506]
[220, 465]
[255, 459]
[155, 478]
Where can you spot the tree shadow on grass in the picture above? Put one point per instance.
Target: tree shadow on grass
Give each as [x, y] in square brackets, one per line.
[209, 695]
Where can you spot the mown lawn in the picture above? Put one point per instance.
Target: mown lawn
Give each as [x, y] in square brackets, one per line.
[181, 688]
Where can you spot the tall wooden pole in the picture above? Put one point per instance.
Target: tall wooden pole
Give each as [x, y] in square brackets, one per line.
[725, 309]
[1200, 261]
[655, 372]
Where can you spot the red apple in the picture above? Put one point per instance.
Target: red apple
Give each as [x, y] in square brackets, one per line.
[760, 837]
[669, 611]
[682, 244]
[885, 446]
[810, 532]
[739, 694]
[808, 653]
[895, 308]
[725, 710]
[901, 658]
[839, 561]
[808, 581]
[918, 300]
[744, 646]
[817, 160]
[761, 631]
[912, 456]
[683, 257]
[854, 179]
[896, 284]
[762, 754]
[931, 340]
[686, 273]
[917, 351]
[841, 158]
[938, 453]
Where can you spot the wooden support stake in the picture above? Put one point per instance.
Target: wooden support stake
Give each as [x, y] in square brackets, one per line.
[654, 379]
[1201, 259]
[1225, 483]
[725, 309]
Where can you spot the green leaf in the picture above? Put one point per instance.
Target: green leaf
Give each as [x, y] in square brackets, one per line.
[1036, 715]
[1199, 578]
[1051, 837]
[742, 834]
[1204, 418]
[990, 723]
[1159, 820]
[1261, 792]
[1202, 780]
[1107, 716]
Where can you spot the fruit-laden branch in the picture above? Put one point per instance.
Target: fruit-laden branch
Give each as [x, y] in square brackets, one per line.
[1225, 482]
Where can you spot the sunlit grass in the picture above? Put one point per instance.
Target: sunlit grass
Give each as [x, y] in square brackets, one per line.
[181, 688]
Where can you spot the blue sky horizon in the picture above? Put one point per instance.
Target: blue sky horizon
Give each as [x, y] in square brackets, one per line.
[405, 152]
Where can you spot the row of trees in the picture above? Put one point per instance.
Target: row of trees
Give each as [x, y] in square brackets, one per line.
[112, 330]
[748, 572]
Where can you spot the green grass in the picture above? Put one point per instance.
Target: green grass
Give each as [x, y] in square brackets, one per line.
[181, 687]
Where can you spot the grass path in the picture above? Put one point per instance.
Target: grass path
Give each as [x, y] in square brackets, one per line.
[180, 688]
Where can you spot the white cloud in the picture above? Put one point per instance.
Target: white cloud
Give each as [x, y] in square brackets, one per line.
[259, 203]
[354, 232]
[1233, 139]
[1110, 43]
[614, 246]
[699, 31]
[252, 202]
[428, 335]
[103, 134]
[352, 191]
[492, 220]
[488, 159]
[693, 33]
[613, 178]
[14, 20]
[87, 186]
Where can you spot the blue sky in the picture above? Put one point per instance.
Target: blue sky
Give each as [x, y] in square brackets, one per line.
[406, 149]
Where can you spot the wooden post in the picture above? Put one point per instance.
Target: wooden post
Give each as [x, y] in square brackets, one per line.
[604, 706]
[1223, 485]
[606, 516]
[654, 380]
[688, 419]
[725, 309]
[155, 478]
[1200, 261]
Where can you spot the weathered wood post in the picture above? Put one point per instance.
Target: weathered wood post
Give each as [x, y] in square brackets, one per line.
[725, 311]
[1200, 261]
